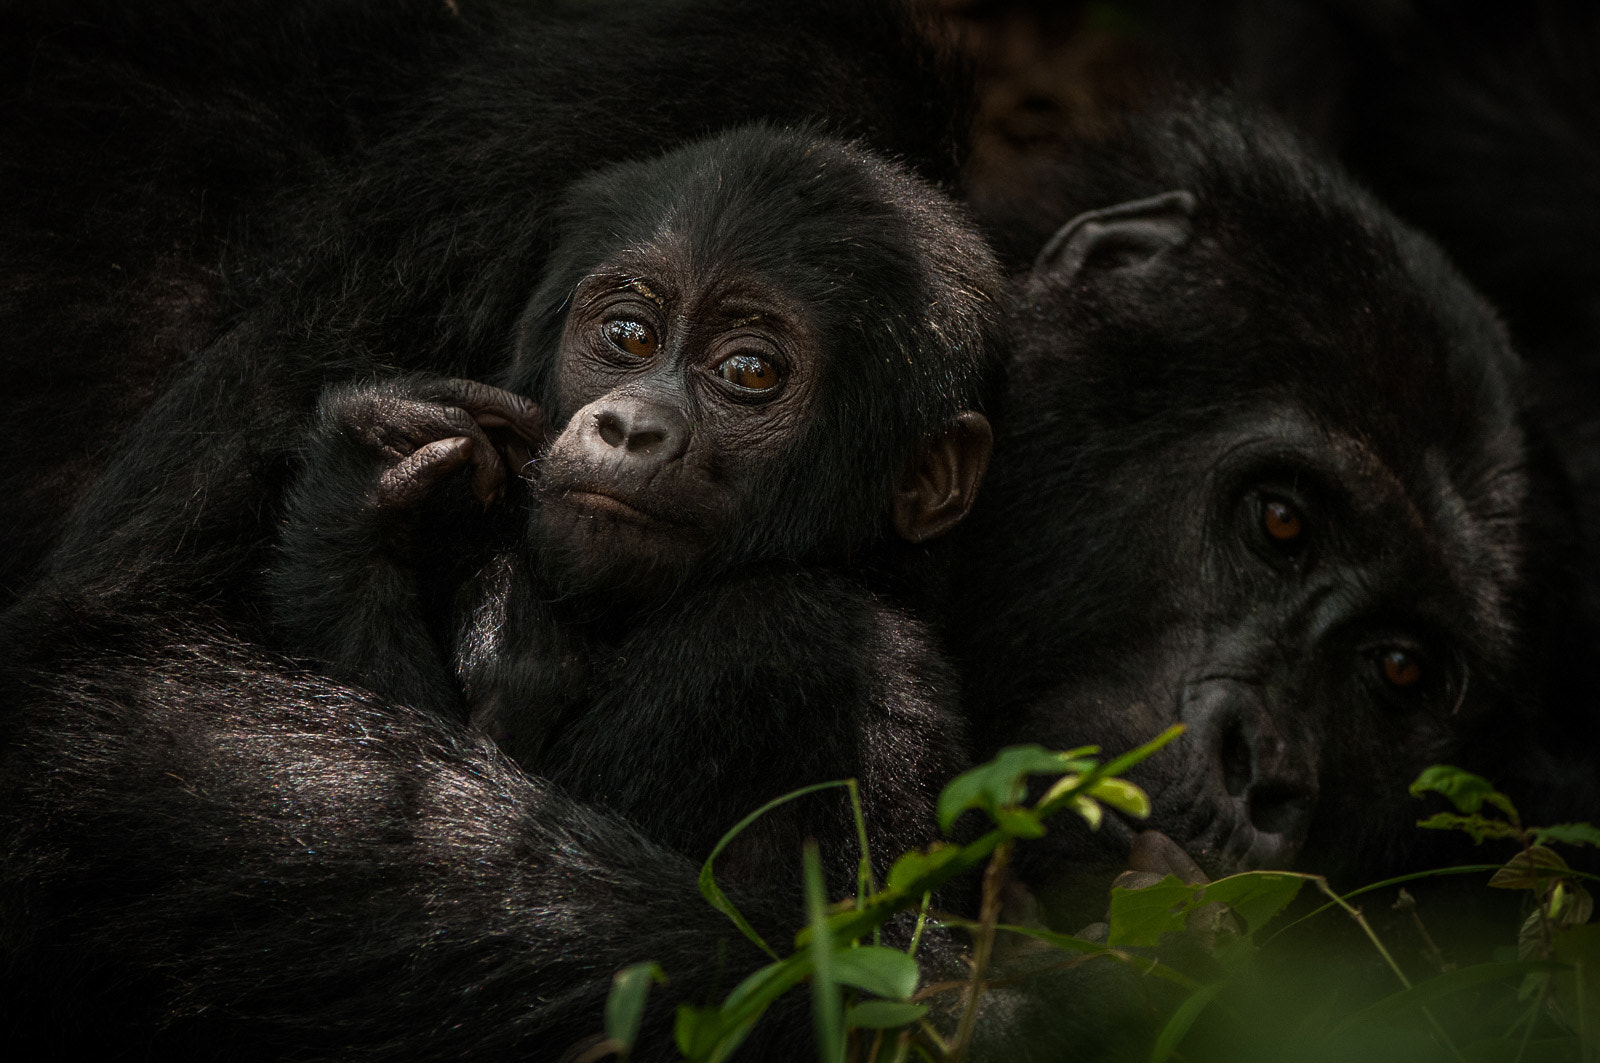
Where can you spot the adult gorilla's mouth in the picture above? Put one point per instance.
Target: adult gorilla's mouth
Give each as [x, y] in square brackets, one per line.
[1231, 843]
[1249, 848]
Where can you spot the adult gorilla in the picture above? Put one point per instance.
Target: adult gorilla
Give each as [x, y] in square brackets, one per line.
[1264, 470]
[210, 850]
[163, 165]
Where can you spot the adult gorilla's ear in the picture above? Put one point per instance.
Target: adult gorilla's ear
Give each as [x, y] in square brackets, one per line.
[941, 482]
[1126, 236]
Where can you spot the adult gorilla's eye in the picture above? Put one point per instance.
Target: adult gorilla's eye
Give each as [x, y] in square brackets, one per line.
[1281, 521]
[749, 372]
[1402, 669]
[634, 337]
[1408, 677]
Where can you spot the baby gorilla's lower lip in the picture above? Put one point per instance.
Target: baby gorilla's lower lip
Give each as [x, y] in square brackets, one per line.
[607, 505]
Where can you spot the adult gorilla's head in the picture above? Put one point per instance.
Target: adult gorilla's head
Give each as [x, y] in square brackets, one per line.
[1261, 472]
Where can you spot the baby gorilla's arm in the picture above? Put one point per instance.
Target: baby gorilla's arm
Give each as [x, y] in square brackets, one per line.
[345, 584]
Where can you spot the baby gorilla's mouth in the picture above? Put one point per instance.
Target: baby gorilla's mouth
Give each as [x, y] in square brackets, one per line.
[585, 510]
[652, 509]
[603, 505]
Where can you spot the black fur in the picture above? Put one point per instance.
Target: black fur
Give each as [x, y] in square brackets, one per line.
[1486, 133]
[209, 850]
[212, 852]
[779, 651]
[1286, 341]
[394, 164]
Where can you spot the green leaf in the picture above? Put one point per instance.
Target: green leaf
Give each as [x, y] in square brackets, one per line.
[1233, 952]
[689, 1029]
[1397, 1004]
[1120, 764]
[765, 984]
[708, 882]
[729, 1042]
[1001, 783]
[1177, 1027]
[1254, 896]
[1123, 796]
[1478, 827]
[825, 1004]
[883, 1015]
[1070, 781]
[1018, 822]
[1141, 916]
[915, 865]
[883, 972]
[1568, 833]
[630, 988]
[1530, 869]
[1088, 810]
[914, 879]
[1463, 789]
[709, 1035]
[1571, 905]
[706, 1034]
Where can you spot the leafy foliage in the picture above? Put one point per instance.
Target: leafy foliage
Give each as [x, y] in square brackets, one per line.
[1537, 1000]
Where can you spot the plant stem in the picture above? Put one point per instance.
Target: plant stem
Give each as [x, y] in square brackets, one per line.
[922, 924]
[934, 1039]
[1431, 951]
[994, 877]
[1361, 921]
[865, 886]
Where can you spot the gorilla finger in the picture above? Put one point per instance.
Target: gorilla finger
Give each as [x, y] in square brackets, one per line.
[416, 425]
[410, 481]
[413, 423]
[488, 470]
[1156, 853]
[495, 407]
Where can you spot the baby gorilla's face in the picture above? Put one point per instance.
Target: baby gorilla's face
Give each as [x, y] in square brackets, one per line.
[690, 390]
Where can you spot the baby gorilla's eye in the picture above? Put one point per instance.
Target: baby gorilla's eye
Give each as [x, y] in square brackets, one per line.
[1281, 521]
[634, 337]
[749, 372]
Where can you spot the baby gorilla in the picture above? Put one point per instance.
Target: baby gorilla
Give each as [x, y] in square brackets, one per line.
[766, 351]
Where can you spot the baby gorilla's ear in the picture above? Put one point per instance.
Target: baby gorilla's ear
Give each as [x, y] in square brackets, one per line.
[941, 483]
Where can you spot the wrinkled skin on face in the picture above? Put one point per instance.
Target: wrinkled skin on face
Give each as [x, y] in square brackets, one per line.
[751, 357]
[1284, 597]
[1261, 474]
[689, 392]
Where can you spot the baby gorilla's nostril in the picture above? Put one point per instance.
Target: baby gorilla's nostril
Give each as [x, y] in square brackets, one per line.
[609, 425]
[644, 440]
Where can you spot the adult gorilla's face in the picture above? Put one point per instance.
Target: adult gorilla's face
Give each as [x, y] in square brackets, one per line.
[1308, 609]
[1289, 515]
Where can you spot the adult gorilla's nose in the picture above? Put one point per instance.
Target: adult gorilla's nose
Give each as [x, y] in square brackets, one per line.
[1264, 766]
